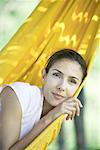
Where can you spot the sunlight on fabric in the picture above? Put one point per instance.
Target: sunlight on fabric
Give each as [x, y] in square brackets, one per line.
[15, 47]
[24, 77]
[9, 62]
[80, 16]
[95, 18]
[33, 54]
[53, 1]
[60, 25]
[28, 20]
[42, 9]
[1, 80]
[98, 35]
[82, 51]
[67, 39]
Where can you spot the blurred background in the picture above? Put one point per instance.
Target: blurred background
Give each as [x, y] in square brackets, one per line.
[83, 132]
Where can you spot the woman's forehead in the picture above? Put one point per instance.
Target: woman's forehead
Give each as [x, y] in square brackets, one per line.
[66, 63]
[67, 66]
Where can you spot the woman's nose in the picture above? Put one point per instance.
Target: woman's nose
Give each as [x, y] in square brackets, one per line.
[62, 86]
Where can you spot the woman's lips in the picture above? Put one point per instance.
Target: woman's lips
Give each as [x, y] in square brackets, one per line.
[58, 97]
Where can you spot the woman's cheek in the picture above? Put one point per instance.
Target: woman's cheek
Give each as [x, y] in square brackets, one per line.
[72, 92]
[52, 82]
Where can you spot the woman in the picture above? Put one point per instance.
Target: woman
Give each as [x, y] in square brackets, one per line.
[26, 109]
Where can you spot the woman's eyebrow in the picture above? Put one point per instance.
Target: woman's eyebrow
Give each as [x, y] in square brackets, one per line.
[74, 77]
[58, 71]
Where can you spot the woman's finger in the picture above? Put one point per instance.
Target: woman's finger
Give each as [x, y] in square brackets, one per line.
[74, 112]
[71, 111]
[77, 106]
[79, 102]
[69, 114]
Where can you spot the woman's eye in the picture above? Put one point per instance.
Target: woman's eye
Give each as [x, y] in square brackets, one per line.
[56, 74]
[73, 81]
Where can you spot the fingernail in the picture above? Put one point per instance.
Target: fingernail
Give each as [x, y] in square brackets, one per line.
[78, 114]
[81, 105]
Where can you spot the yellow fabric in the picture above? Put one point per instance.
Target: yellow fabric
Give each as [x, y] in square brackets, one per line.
[47, 136]
[53, 25]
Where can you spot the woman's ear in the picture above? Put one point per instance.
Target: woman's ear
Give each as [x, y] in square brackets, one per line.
[43, 74]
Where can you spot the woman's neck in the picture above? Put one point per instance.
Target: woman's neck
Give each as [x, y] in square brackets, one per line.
[46, 107]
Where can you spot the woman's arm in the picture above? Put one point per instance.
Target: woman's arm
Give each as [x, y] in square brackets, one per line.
[69, 107]
[10, 118]
[36, 130]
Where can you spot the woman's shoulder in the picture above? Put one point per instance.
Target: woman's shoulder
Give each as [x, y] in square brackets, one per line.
[21, 85]
[18, 83]
[26, 93]
[33, 89]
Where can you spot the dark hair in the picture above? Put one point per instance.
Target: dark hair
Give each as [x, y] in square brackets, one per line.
[69, 54]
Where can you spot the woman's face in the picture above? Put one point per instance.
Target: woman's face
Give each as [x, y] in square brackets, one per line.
[62, 81]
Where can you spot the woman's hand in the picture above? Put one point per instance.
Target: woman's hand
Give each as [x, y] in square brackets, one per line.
[75, 109]
[70, 107]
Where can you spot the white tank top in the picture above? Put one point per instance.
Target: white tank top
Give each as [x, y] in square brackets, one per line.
[31, 101]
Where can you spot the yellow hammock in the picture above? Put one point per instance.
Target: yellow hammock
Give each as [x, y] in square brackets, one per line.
[53, 25]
